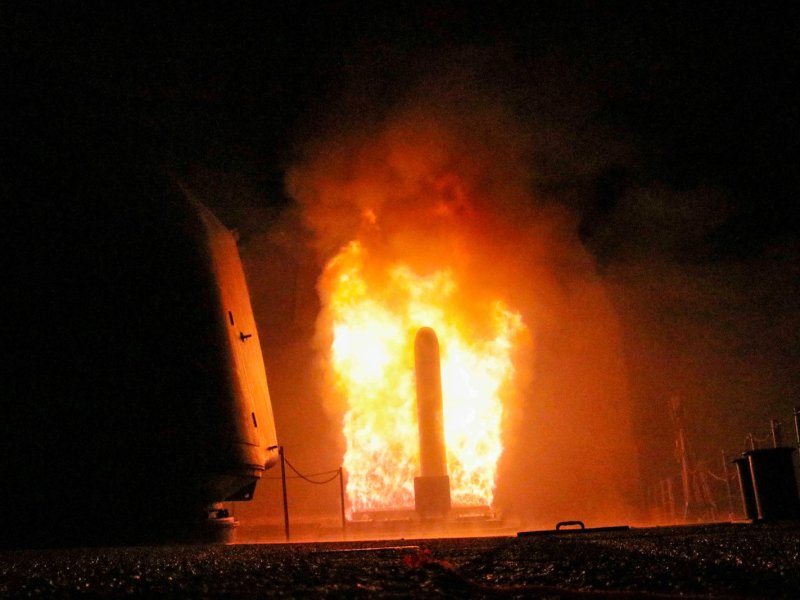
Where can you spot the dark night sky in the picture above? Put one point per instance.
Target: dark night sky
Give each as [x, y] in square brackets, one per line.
[703, 92]
[700, 96]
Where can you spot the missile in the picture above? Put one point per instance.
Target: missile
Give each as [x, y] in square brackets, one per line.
[432, 487]
[430, 412]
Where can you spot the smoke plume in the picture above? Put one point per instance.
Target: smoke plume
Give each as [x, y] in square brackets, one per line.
[505, 172]
[446, 178]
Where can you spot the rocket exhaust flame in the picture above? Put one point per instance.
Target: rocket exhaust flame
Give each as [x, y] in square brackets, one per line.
[429, 217]
[374, 313]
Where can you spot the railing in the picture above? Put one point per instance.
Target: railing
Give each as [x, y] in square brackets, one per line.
[328, 477]
[713, 492]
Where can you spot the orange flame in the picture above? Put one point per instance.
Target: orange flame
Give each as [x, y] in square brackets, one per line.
[374, 315]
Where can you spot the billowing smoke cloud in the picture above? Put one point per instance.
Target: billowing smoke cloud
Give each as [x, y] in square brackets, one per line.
[719, 331]
[446, 178]
[506, 171]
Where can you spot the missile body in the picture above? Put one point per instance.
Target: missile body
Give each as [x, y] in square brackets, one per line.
[430, 412]
[432, 487]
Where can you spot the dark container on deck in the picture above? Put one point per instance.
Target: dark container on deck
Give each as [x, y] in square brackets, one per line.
[746, 487]
[774, 483]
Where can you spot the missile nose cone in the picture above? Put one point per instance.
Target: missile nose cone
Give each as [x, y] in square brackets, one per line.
[426, 344]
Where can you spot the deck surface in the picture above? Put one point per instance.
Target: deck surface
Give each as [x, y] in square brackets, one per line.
[716, 561]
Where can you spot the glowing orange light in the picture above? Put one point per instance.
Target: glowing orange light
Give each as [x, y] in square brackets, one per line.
[374, 318]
